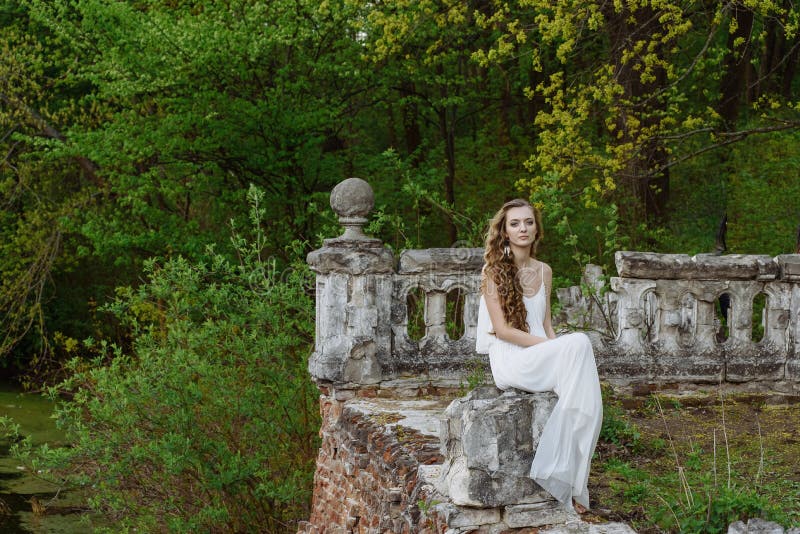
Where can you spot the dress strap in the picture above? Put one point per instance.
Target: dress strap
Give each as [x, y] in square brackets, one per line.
[541, 275]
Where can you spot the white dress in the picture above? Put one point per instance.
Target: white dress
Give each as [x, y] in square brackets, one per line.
[566, 366]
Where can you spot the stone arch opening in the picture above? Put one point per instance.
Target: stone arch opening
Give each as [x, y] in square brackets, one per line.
[723, 307]
[454, 313]
[759, 318]
[415, 313]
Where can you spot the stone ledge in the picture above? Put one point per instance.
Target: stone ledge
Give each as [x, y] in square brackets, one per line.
[441, 261]
[654, 266]
[377, 470]
[352, 258]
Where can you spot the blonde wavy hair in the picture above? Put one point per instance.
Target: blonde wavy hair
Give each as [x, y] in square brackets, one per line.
[501, 268]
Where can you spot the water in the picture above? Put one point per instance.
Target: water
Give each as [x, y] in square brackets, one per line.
[18, 486]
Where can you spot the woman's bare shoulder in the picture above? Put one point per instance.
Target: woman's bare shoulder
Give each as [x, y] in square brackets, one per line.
[546, 269]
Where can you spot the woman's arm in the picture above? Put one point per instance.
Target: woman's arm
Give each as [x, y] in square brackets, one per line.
[501, 329]
[548, 287]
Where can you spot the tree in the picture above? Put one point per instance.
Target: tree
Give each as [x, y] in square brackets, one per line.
[132, 130]
[633, 89]
[424, 51]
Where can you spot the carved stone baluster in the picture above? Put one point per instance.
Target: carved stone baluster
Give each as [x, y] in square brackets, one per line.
[627, 357]
[471, 303]
[669, 293]
[789, 268]
[778, 317]
[706, 293]
[793, 363]
[740, 316]
[435, 315]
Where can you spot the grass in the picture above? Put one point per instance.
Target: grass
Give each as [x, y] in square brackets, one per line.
[697, 463]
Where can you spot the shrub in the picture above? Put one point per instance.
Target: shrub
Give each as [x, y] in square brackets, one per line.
[209, 423]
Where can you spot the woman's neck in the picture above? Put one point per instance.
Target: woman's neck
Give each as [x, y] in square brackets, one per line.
[522, 256]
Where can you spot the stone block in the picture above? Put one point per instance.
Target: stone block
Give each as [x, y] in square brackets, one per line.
[789, 267]
[651, 265]
[535, 515]
[582, 527]
[461, 517]
[441, 260]
[755, 361]
[734, 267]
[654, 266]
[355, 259]
[755, 526]
[488, 440]
[610, 528]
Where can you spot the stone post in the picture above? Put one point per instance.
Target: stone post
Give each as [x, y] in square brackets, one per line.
[353, 289]
[789, 268]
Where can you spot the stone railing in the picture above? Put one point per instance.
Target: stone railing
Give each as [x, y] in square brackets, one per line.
[672, 318]
[362, 336]
[660, 321]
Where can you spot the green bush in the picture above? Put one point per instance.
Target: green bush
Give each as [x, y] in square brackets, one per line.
[209, 424]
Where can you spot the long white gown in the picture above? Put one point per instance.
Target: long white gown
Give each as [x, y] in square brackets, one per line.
[566, 366]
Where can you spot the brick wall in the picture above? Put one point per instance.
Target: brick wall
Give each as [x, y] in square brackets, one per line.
[367, 470]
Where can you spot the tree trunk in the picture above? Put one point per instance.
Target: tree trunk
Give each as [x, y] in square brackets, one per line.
[446, 128]
[736, 64]
[645, 178]
[413, 137]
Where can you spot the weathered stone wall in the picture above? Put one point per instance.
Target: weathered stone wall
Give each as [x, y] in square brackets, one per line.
[656, 322]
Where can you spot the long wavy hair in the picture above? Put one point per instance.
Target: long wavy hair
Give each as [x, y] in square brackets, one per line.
[501, 268]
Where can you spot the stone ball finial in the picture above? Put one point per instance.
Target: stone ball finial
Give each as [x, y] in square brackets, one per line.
[352, 200]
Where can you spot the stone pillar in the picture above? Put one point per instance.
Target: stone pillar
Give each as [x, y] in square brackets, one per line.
[778, 316]
[353, 289]
[706, 294]
[669, 293]
[789, 268]
[629, 357]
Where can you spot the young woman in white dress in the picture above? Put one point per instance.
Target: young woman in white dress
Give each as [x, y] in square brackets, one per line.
[514, 328]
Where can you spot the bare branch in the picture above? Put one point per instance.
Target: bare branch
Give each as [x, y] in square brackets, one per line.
[89, 167]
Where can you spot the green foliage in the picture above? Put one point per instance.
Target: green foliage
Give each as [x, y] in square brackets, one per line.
[703, 507]
[591, 233]
[209, 422]
[616, 428]
[692, 489]
[761, 219]
[712, 508]
[476, 375]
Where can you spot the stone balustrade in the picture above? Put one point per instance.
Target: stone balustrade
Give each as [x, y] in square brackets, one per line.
[668, 325]
[658, 322]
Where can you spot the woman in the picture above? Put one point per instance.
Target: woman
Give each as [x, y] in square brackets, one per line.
[515, 329]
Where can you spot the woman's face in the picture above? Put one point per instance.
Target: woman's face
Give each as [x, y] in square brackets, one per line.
[520, 226]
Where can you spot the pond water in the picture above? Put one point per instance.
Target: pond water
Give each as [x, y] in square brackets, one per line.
[18, 486]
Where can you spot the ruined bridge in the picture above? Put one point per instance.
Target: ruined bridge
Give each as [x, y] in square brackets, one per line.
[399, 454]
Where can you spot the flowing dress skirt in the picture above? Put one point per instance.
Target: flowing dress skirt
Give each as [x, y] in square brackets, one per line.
[565, 365]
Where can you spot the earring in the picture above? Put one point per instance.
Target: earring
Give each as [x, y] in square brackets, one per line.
[506, 250]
